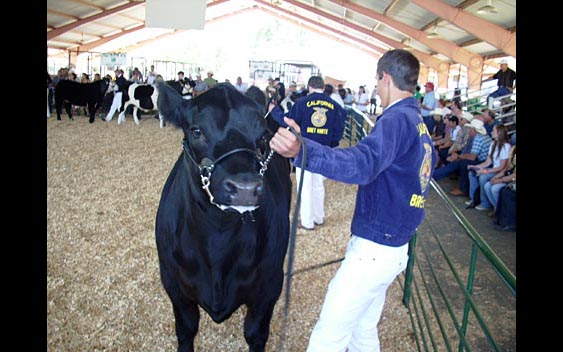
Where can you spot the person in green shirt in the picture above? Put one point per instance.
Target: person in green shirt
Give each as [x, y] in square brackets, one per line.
[210, 81]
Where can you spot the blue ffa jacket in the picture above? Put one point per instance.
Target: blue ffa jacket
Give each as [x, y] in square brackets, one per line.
[320, 118]
[393, 166]
[122, 84]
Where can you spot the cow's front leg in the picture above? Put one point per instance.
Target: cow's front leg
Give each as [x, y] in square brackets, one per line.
[121, 118]
[135, 117]
[161, 118]
[186, 314]
[92, 112]
[257, 324]
[68, 109]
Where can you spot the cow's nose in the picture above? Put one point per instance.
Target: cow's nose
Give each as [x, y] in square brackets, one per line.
[243, 192]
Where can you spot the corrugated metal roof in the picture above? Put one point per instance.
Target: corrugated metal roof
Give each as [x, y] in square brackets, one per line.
[95, 25]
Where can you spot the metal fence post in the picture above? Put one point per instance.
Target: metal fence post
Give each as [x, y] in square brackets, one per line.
[409, 272]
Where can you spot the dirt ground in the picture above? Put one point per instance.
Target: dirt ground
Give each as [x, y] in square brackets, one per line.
[103, 286]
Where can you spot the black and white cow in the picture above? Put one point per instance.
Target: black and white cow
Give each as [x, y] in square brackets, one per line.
[141, 96]
[70, 93]
[222, 225]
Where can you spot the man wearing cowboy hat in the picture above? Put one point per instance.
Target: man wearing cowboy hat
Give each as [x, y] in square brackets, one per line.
[210, 81]
[474, 152]
[463, 134]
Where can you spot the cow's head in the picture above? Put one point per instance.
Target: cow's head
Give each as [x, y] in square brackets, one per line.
[225, 141]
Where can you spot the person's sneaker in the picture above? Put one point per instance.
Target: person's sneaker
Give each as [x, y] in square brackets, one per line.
[467, 202]
[480, 207]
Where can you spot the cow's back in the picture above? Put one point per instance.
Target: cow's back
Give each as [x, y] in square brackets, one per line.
[80, 93]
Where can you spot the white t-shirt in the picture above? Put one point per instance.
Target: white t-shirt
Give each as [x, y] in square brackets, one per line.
[454, 132]
[504, 152]
[361, 101]
[336, 97]
[242, 88]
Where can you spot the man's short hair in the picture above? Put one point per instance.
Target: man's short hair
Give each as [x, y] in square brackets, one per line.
[316, 82]
[180, 73]
[402, 66]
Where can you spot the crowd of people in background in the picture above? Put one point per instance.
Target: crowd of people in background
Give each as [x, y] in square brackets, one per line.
[473, 148]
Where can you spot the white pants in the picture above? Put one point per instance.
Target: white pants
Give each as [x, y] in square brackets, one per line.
[48, 113]
[355, 298]
[115, 105]
[312, 198]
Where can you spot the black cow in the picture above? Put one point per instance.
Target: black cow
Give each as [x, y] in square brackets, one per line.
[222, 228]
[80, 94]
[140, 96]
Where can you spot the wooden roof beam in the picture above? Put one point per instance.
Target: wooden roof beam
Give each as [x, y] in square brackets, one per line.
[483, 29]
[63, 29]
[91, 45]
[460, 55]
[426, 59]
[378, 50]
[437, 21]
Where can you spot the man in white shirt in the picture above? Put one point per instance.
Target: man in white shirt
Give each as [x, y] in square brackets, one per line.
[241, 86]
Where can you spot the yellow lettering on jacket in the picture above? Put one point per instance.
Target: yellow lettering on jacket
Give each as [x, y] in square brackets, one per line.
[417, 201]
[422, 129]
[317, 130]
[320, 103]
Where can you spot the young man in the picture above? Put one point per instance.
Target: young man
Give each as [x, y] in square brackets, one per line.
[121, 85]
[321, 119]
[392, 166]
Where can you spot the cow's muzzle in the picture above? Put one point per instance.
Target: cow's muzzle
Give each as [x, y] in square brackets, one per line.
[243, 193]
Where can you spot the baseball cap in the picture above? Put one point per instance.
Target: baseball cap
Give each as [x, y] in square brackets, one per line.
[430, 85]
[503, 62]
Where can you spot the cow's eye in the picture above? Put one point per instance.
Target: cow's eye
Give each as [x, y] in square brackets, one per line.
[196, 132]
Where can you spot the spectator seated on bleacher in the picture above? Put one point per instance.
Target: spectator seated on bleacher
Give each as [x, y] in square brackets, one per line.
[506, 208]
[482, 173]
[474, 152]
[492, 189]
[462, 136]
[439, 124]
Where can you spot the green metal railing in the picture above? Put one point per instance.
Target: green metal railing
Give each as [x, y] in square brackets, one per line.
[356, 126]
[431, 305]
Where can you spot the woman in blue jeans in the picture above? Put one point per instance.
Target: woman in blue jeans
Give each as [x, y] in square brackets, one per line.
[500, 180]
[480, 174]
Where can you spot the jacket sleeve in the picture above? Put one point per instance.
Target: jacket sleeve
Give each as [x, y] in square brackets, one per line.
[359, 164]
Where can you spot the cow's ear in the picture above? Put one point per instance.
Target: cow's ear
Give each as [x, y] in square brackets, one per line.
[171, 105]
[258, 96]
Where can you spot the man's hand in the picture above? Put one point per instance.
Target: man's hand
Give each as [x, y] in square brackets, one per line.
[284, 142]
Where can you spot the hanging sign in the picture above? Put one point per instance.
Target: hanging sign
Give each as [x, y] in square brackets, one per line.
[114, 59]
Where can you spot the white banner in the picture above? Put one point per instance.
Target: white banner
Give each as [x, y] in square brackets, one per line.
[114, 59]
[175, 14]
